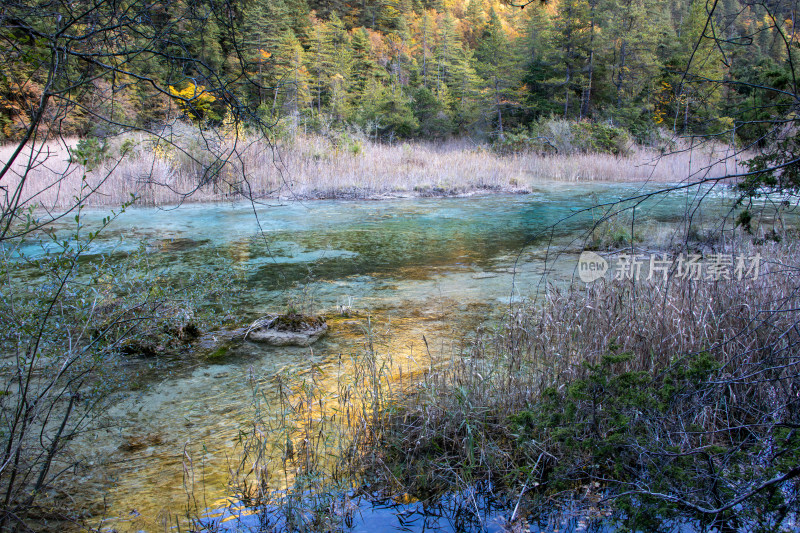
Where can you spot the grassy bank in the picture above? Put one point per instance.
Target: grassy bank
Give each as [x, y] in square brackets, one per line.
[647, 402]
[190, 165]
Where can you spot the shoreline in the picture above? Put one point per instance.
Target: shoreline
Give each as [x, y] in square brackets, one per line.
[376, 196]
[314, 169]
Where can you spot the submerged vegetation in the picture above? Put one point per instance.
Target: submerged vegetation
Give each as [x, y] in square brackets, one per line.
[71, 317]
[647, 404]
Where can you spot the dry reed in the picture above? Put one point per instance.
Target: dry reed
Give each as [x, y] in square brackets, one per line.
[619, 382]
[194, 165]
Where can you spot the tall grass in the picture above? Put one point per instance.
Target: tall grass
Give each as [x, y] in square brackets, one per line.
[189, 164]
[663, 397]
[297, 466]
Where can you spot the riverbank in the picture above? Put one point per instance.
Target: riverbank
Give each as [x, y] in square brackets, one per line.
[201, 166]
[678, 420]
[562, 413]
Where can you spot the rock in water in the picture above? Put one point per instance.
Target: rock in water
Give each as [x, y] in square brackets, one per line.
[290, 329]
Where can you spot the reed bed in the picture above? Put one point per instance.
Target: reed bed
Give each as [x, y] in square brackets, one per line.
[662, 399]
[187, 164]
[299, 463]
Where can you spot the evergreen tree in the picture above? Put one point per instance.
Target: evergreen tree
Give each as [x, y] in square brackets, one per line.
[291, 93]
[540, 77]
[390, 15]
[634, 30]
[498, 65]
[431, 114]
[447, 50]
[401, 63]
[299, 16]
[692, 82]
[611, 59]
[330, 65]
[463, 94]
[426, 42]
[265, 26]
[571, 42]
[474, 20]
[327, 8]
[387, 113]
[365, 68]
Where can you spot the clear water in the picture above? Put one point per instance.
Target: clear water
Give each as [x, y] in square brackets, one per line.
[433, 267]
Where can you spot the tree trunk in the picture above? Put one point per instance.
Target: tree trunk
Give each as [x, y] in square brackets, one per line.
[620, 72]
[587, 96]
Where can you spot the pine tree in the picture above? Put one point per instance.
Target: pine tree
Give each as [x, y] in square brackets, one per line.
[540, 59]
[447, 50]
[426, 42]
[464, 90]
[365, 68]
[330, 60]
[571, 27]
[431, 114]
[401, 63]
[633, 31]
[327, 8]
[291, 93]
[265, 25]
[390, 13]
[299, 16]
[498, 65]
[474, 19]
[696, 70]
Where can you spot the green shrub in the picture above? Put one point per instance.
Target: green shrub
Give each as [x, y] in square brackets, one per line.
[89, 152]
[566, 137]
[601, 138]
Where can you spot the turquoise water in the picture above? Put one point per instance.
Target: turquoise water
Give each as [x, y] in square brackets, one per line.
[433, 267]
[372, 251]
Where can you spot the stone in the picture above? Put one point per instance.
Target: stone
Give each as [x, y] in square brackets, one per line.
[284, 330]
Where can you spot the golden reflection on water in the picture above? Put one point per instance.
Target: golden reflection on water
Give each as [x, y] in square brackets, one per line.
[175, 448]
[431, 268]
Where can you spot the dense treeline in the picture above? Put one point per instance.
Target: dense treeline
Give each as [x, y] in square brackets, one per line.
[435, 68]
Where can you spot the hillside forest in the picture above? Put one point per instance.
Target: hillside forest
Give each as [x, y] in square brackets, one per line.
[428, 69]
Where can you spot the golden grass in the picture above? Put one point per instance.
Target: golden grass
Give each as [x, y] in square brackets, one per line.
[213, 166]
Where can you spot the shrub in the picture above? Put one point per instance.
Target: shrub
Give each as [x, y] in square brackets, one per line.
[669, 399]
[565, 137]
[601, 138]
[89, 152]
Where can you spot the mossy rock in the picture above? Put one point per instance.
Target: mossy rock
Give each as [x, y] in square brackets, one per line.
[218, 354]
[293, 329]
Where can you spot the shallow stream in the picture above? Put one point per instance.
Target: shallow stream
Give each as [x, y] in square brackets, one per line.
[436, 268]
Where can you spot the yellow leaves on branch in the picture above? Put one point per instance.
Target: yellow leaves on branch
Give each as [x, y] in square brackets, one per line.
[194, 101]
